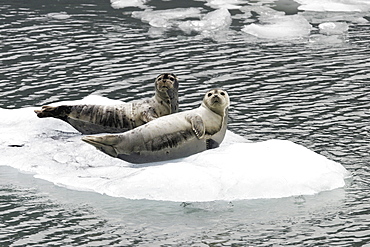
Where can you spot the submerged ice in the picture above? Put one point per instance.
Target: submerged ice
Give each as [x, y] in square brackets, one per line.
[238, 169]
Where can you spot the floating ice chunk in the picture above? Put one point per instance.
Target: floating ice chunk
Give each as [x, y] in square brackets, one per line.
[226, 4]
[317, 18]
[333, 28]
[335, 5]
[58, 16]
[280, 27]
[166, 18]
[214, 21]
[119, 4]
[53, 150]
[327, 40]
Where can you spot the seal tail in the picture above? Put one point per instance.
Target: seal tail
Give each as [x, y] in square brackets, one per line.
[103, 143]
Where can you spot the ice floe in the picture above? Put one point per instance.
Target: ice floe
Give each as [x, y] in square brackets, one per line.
[166, 18]
[52, 150]
[280, 27]
[225, 4]
[217, 20]
[333, 28]
[118, 4]
[335, 5]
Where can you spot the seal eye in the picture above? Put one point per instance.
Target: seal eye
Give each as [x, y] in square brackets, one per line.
[222, 93]
[209, 94]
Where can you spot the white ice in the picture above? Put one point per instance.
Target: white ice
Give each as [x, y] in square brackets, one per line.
[335, 5]
[58, 16]
[333, 28]
[225, 4]
[52, 150]
[280, 27]
[118, 4]
[214, 21]
[165, 18]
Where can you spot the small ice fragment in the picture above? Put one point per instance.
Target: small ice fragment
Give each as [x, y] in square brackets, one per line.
[58, 16]
[216, 20]
[165, 18]
[280, 27]
[335, 5]
[333, 28]
[327, 40]
[120, 4]
[225, 4]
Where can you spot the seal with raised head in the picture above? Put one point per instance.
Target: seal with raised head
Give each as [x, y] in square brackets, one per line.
[93, 119]
[170, 137]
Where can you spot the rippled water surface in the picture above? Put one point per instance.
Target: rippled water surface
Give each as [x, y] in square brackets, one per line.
[313, 90]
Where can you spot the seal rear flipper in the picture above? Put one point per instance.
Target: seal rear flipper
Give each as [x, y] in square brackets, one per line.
[104, 143]
[60, 112]
[210, 144]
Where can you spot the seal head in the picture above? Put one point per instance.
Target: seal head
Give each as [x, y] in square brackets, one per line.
[166, 87]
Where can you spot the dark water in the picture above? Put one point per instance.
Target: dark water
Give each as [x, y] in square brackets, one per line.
[315, 94]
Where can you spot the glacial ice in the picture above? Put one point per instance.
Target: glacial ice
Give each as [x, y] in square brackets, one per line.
[225, 4]
[52, 150]
[333, 28]
[280, 27]
[118, 4]
[335, 5]
[166, 18]
[217, 20]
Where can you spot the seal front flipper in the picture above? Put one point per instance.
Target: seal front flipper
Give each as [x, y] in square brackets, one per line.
[197, 125]
[104, 143]
[149, 115]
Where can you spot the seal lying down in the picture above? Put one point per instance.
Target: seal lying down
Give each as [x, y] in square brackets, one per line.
[93, 119]
[170, 137]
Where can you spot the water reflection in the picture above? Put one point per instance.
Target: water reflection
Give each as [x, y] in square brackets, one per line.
[312, 91]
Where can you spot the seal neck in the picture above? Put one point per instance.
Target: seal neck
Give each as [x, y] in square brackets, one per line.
[170, 100]
[221, 113]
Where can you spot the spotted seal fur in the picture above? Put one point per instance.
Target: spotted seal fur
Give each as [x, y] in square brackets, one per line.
[93, 119]
[173, 136]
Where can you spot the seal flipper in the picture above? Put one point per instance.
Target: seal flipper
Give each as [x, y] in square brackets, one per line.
[149, 115]
[103, 143]
[210, 143]
[197, 125]
[60, 112]
[173, 98]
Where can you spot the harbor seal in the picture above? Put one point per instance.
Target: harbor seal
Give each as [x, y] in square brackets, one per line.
[173, 136]
[93, 119]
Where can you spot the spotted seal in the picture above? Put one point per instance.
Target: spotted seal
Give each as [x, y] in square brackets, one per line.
[93, 119]
[173, 136]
